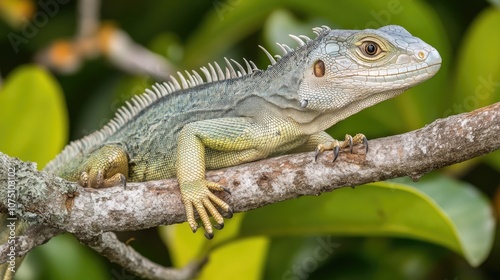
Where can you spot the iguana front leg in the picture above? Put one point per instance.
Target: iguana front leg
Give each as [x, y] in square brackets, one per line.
[336, 145]
[322, 141]
[195, 190]
[217, 143]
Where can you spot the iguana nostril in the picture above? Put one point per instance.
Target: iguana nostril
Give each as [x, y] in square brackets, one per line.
[421, 54]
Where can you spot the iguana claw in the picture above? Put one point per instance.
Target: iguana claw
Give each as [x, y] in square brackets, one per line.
[349, 139]
[219, 226]
[229, 213]
[336, 151]
[360, 139]
[316, 153]
[226, 189]
[365, 142]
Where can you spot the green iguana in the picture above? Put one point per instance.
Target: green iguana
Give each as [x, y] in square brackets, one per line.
[243, 114]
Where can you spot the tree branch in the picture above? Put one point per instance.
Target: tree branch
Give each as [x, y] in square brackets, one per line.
[94, 38]
[109, 246]
[33, 237]
[87, 213]
[88, 20]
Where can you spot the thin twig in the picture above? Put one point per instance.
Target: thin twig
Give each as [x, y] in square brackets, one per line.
[88, 17]
[109, 246]
[94, 38]
[33, 237]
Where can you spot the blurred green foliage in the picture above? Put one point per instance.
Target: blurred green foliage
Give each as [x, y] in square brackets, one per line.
[378, 231]
[32, 115]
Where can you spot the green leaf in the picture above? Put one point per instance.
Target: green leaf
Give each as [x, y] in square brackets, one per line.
[477, 75]
[33, 117]
[228, 261]
[225, 258]
[443, 211]
[469, 210]
[184, 246]
[477, 81]
[63, 257]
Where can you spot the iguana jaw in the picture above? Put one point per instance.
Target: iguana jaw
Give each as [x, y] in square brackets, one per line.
[330, 117]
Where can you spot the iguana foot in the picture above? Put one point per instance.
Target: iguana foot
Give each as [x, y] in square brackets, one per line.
[198, 195]
[336, 145]
[97, 180]
[106, 167]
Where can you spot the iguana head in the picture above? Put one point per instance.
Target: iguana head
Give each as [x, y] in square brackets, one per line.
[348, 70]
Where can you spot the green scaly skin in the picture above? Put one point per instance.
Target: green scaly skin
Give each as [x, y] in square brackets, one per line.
[182, 129]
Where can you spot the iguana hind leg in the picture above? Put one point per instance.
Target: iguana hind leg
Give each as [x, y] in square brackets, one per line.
[221, 143]
[105, 167]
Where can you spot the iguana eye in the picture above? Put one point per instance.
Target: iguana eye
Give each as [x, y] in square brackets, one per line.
[370, 48]
[319, 68]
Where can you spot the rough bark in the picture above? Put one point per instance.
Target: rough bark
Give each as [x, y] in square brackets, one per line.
[45, 199]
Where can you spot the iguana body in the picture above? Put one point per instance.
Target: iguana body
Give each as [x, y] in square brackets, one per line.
[182, 129]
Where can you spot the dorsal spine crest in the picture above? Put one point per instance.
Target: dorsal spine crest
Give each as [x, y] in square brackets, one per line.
[138, 103]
